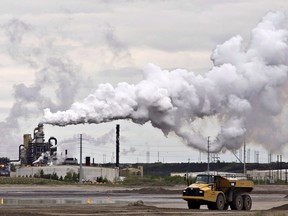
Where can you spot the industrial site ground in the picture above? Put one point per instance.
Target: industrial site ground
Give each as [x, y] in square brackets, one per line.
[116, 200]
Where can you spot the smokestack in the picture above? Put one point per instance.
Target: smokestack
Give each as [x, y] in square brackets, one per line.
[87, 161]
[117, 144]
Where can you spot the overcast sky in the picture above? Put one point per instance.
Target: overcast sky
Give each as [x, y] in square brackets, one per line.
[53, 53]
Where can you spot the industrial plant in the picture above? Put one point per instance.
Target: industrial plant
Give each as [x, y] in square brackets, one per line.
[37, 155]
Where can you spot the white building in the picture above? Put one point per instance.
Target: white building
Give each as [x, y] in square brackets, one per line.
[269, 176]
[228, 175]
[90, 173]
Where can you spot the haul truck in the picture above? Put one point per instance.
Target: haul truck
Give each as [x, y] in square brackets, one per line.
[218, 193]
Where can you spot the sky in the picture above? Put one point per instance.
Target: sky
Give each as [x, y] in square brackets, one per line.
[55, 53]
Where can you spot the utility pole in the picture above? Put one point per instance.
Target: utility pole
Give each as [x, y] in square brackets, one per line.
[280, 167]
[208, 156]
[215, 160]
[244, 168]
[269, 157]
[80, 171]
[277, 167]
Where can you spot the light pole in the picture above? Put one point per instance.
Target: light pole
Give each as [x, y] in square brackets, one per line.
[244, 168]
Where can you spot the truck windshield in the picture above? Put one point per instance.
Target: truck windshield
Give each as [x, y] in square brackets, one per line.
[204, 179]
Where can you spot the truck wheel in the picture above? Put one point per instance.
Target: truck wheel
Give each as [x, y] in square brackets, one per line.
[237, 203]
[247, 202]
[193, 205]
[220, 202]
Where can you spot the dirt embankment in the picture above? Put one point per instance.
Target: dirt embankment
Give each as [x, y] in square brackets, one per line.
[270, 189]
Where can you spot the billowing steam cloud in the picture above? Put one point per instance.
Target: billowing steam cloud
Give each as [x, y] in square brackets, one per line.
[52, 71]
[127, 151]
[245, 90]
[103, 140]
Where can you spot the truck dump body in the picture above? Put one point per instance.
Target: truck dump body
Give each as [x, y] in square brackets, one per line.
[224, 184]
[218, 192]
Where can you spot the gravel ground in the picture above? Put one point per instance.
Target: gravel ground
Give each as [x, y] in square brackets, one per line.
[73, 200]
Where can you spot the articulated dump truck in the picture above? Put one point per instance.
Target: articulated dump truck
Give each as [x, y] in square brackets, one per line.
[218, 193]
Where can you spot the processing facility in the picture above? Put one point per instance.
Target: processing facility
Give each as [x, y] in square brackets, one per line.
[38, 155]
[37, 150]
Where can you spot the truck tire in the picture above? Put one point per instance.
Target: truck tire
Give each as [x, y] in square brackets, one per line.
[247, 202]
[193, 205]
[220, 202]
[237, 203]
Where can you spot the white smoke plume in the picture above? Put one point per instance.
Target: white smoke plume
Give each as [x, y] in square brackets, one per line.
[54, 73]
[106, 138]
[128, 151]
[246, 91]
[42, 158]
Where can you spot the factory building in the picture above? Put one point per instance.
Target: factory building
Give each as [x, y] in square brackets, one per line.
[228, 175]
[89, 173]
[268, 176]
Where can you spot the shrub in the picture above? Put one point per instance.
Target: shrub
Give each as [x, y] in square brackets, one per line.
[71, 177]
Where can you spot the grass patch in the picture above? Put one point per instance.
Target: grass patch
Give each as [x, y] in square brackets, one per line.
[153, 181]
[128, 181]
[30, 181]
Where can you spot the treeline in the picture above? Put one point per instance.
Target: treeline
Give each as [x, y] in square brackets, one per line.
[164, 169]
[69, 177]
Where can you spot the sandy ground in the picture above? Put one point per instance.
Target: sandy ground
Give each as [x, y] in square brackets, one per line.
[103, 200]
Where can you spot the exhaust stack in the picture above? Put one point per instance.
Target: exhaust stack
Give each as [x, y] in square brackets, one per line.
[117, 144]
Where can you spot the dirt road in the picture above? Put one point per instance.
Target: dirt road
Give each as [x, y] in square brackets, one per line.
[73, 200]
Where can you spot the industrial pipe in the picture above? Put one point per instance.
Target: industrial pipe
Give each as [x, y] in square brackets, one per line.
[19, 154]
[52, 138]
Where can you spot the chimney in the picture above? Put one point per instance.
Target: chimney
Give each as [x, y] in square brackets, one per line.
[87, 161]
[117, 144]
